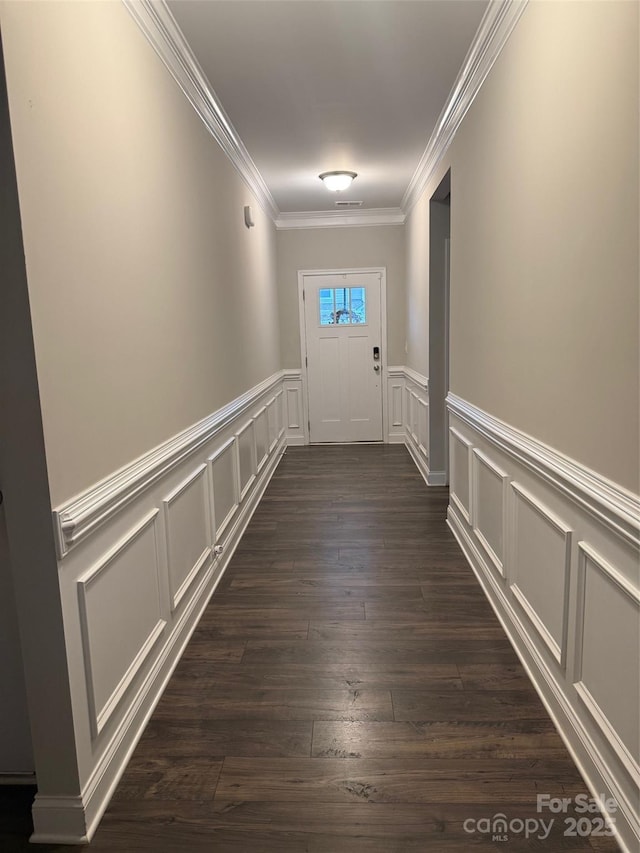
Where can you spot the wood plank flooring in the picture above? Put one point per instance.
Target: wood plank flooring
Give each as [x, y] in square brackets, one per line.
[349, 690]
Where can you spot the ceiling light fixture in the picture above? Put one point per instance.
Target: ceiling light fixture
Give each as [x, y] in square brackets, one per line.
[337, 181]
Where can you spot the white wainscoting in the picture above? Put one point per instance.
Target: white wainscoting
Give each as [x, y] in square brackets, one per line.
[408, 423]
[261, 428]
[139, 556]
[187, 524]
[132, 564]
[489, 502]
[395, 397]
[555, 548]
[294, 405]
[246, 443]
[460, 466]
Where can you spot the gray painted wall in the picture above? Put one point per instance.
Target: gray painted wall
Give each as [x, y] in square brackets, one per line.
[544, 238]
[338, 248]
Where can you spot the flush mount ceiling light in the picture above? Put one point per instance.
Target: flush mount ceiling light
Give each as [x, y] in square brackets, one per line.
[337, 181]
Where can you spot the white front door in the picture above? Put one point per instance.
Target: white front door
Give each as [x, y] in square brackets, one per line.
[342, 316]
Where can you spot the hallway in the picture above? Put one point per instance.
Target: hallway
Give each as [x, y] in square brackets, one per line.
[347, 689]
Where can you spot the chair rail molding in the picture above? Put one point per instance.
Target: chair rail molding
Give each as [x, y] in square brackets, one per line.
[555, 547]
[141, 553]
[77, 518]
[614, 505]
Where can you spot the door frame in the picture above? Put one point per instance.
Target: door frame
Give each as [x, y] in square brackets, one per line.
[383, 341]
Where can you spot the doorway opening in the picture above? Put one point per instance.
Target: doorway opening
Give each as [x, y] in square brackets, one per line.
[439, 284]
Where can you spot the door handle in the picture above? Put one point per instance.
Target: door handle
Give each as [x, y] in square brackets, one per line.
[376, 367]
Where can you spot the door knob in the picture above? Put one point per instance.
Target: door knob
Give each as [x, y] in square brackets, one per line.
[376, 367]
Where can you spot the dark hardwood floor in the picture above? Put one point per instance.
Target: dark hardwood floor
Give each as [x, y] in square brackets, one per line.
[348, 690]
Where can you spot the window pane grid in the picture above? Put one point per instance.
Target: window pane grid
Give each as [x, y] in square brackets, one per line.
[344, 306]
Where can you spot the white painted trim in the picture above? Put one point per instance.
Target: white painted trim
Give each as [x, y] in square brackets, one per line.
[260, 463]
[384, 360]
[592, 765]
[293, 374]
[98, 717]
[280, 412]
[75, 519]
[406, 380]
[421, 462]
[74, 820]
[177, 595]
[416, 377]
[64, 819]
[614, 506]
[395, 372]
[610, 572]
[304, 372]
[467, 513]
[270, 407]
[332, 219]
[586, 552]
[557, 650]
[292, 422]
[495, 28]
[165, 36]
[163, 33]
[244, 491]
[610, 734]
[397, 421]
[218, 529]
[424, 405]
[480, 458]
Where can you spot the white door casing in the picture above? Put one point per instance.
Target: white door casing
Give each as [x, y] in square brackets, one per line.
[342, 377]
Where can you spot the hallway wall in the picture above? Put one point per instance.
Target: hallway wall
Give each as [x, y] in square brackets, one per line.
[544, 244]
[153, 315]
[543, 408]
[337, 248]
[152, 303]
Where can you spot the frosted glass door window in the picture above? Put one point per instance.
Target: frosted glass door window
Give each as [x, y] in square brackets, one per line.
[342, 306]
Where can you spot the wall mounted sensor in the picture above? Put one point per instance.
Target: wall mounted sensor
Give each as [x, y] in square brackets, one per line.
[248, 218]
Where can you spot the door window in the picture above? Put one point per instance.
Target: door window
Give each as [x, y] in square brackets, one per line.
[344, 306]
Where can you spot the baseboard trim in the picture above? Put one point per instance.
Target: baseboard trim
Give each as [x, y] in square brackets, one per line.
[74, 820]
[61, 820]
[419, 460]
[592, 767]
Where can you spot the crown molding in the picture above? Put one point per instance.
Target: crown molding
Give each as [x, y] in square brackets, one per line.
[495, 28]
[163, 33]
[165, 36]
[331, 219]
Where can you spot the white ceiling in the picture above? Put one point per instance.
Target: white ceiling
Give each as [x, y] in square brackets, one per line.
[317, 85]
